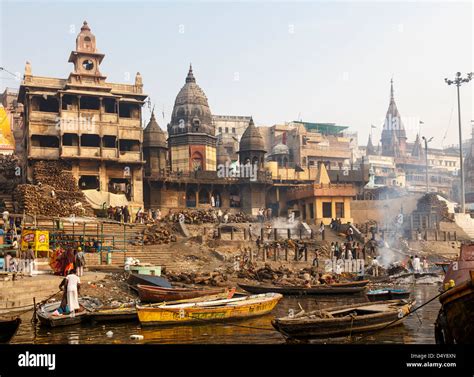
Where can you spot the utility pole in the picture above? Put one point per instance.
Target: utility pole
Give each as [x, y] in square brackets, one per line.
[458, 81]
[426, 162]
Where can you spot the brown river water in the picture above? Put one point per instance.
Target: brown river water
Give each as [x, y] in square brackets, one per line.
[418, 328]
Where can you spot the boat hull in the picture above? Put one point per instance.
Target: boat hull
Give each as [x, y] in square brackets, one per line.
[135, 279]
[307, 328]
[388, 294]
[128, 313]
[8, 329]
[455, 322]
[148, 293]
[339, 289]
[150, 316]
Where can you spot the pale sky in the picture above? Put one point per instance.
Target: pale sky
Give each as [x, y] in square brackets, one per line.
[278, 61]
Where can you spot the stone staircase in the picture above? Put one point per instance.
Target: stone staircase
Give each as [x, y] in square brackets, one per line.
[19, 294]
[466, 223]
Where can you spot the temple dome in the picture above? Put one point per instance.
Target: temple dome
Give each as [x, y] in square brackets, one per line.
[191, 112]
[251, 139]
[153, 135]
[280, 149]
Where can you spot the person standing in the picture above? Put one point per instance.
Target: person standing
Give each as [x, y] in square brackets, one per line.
[375, 267]
[336, 250]
[73, 286]
[416, 265]
[426, 266]
[29, 260]
[333, 251]
[126, 214]
[259, 245]
[321, 230]
[250, 232]
[80, 262]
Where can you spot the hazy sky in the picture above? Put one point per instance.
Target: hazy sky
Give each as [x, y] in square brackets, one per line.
[277, 61]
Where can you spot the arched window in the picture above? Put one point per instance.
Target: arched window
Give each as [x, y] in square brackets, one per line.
[197, 161]
[191, 198]
[204, 196]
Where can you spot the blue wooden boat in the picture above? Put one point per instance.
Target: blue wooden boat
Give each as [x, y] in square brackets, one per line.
[388, 294]
[157, 281]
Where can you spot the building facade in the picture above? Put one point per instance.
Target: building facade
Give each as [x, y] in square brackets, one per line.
[92, 124]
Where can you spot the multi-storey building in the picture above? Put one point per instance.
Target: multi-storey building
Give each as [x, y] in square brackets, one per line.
[92, 124]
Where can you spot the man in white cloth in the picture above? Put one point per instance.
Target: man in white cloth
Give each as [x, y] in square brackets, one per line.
[416, 264]
[73, 285]
[375, 267]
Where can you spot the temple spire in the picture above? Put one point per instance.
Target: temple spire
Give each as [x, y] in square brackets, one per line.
[190, 76]
[392, 97]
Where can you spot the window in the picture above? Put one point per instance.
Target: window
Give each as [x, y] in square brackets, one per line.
[227, 130]
[90, 103]
[327, 210]
[233, 130]
[339, 210]
[220, 129]
[88, 64]
[311, 211]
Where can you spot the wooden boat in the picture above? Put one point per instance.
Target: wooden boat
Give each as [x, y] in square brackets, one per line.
[323, 289]
[135, 279]
[455, 321]
[343, 320]
[150, 293]
[208, 311]
[388, 294]
[46, 316]
[8, 328]
[126, 312]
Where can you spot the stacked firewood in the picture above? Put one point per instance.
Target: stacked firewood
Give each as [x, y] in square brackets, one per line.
[55, 192]
[430, 203]
[9, 173]
[286, 276]
[201, 216]
[156, 235]
[214, 278]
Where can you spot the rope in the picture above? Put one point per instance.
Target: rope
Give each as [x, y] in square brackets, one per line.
[406, 315]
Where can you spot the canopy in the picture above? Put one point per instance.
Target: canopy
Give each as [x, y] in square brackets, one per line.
[98, 198]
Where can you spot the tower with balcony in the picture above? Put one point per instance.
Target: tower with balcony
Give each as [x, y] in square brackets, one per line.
[92, 124]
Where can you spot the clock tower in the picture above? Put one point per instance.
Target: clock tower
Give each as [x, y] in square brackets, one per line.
[86, 60]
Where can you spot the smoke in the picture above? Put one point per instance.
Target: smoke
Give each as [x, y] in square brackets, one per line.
[387, 257]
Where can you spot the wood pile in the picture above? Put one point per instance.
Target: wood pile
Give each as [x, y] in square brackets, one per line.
[8, 170]
[430, 203]
[286, 276]
[200, 216]
[214, 278]
[156, 235]
[38, 199]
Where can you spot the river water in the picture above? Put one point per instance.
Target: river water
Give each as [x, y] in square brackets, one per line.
[418, 328]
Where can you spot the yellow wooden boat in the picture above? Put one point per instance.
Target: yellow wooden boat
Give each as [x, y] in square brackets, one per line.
[208, 311]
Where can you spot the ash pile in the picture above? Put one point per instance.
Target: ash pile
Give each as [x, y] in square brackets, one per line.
[55, 192]
[214, 278]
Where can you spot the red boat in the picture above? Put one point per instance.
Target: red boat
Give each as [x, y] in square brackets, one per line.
[150, 293]
[455, 322]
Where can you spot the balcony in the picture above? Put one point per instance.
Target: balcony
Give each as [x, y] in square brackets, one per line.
[44, 153]
[109, 152]
[90, 152]
[69, 151]
[129, 122]
[130, 156]
[44, 129]
[44, 117]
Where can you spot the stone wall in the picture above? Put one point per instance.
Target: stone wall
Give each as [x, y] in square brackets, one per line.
[380, 210]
